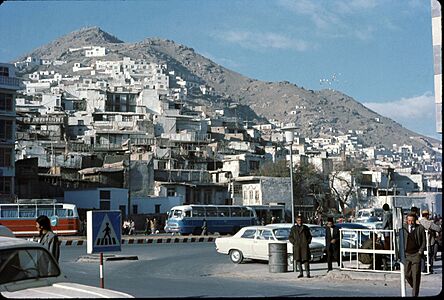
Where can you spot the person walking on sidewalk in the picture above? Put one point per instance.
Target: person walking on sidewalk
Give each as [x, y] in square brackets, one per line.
[387, 224]
[331, 243]
[414, 246]
[48, 239]
[300, 237]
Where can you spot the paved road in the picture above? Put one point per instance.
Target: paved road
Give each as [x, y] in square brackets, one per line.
[196, 270]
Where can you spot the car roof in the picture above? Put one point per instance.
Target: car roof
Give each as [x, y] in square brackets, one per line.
[5, 231]
[351, 225]
[12, 242]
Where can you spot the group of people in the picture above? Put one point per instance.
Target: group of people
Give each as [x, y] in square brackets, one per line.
[129, 227]
[300, 236]
[415, 243]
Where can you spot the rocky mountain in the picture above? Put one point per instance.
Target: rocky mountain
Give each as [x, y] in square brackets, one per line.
[314, 112]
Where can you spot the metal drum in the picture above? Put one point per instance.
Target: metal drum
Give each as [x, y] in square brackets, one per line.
[277, 258]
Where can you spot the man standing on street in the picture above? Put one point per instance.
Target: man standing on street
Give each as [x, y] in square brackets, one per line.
[331, 243]
[300, 237]
[414, 246]
[432, 229]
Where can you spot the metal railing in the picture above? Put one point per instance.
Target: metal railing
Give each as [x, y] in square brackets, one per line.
[351, 251]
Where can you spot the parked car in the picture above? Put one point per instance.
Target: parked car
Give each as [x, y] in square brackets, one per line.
[251, 242]
[5, 231]
[28, 270]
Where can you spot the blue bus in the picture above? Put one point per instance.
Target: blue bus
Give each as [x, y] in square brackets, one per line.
[188, 219]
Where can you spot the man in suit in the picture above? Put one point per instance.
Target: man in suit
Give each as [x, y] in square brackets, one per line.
[300, 237]
[331, 243]
[414, 246]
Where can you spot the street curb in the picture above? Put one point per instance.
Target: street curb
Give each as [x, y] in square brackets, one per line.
[138, 241]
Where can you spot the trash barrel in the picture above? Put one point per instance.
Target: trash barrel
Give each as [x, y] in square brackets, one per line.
[277, 258]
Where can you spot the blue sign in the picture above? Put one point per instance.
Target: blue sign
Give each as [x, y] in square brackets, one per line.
[103, 232]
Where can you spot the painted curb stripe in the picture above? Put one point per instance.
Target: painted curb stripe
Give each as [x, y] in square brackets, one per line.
[146, 241]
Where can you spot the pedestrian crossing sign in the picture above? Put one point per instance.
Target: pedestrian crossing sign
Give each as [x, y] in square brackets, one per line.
[103, 231]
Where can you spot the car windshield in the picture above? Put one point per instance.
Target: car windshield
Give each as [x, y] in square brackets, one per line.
[317, 231]
[26, 263]
[282, 234]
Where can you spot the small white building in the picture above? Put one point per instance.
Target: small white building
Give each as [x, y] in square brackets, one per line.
[95, 52]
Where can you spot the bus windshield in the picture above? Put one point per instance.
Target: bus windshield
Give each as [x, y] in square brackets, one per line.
[176, 214]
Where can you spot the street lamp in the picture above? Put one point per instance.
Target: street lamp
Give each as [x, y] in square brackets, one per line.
[289, 138]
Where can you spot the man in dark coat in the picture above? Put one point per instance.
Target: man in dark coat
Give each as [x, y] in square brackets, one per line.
[331, 243]
[414, 246]
[300, 237]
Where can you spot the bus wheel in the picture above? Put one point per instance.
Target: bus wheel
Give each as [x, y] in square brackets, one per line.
[236, 256]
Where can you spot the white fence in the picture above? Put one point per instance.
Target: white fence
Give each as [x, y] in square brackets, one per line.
[352, 253]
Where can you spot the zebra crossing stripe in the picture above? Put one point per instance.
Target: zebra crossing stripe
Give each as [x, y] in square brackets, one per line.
[105, 241]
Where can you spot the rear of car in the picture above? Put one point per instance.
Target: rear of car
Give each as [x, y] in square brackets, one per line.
[28, 270]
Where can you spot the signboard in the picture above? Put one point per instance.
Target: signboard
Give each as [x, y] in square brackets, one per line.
[103, 231]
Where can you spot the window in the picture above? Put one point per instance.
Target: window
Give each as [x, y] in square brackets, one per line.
[45, 211]
[5, 129]
[135, 209]
[9, 212]
[236, 211]
[23, 264]
[25, 212]
[198, 212]
[211, 212]
[105, 204]
[223, 211]
[6, 102]
[171, 192]
[248, 234]
[265, 235]
[5, 185]
[157, 208]
[105, 194]
[61, 212]
[5, 157]
[4, 71]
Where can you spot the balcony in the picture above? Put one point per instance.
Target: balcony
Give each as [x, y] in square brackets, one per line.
[10, 83]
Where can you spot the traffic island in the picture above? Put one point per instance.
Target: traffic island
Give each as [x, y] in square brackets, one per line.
[92, 258]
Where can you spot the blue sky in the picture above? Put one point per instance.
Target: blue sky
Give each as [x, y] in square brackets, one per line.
[377, 51]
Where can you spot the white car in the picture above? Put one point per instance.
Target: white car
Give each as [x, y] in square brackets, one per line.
[251, 242]
[28, 270]
[5, 231]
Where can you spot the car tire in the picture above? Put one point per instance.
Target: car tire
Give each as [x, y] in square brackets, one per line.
[236, 256]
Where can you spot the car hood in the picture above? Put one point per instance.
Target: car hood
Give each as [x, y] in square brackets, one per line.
[65, 290]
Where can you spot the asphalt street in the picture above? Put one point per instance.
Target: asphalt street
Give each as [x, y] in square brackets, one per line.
[197, 270]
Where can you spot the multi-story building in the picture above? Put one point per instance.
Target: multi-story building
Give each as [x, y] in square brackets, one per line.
[9, 84]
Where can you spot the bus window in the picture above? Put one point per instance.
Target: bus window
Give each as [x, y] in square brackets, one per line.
[245, 212]
[198, 212]
[60, 212]
[188, 213]
[27, 212]
[70, 213]
[9, 212]
[223, 211]
[177, 214]
[211, 211]
[236, 212]
[45, 212]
